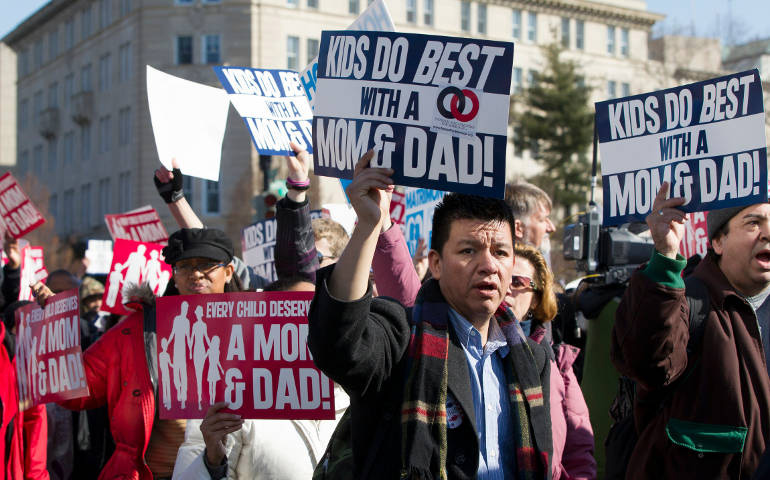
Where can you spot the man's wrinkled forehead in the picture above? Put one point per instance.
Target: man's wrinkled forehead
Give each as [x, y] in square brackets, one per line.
[470, 230]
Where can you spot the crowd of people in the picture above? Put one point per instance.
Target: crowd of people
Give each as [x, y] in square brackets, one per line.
[447, 365]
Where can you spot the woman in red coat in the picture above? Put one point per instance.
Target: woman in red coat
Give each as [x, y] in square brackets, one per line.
[121, 367]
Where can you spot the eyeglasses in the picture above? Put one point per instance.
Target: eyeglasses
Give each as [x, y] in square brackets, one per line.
[321, 256]
[520, 282]
[204, 268]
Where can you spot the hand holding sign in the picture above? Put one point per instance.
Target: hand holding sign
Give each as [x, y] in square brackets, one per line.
[367, 191]
[666, 222]
[11, 249]
[299, 171]
[215, 427]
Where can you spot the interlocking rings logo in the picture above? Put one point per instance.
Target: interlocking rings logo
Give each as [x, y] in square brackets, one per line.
[457, 104]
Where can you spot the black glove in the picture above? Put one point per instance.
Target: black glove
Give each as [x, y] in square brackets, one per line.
[171, 191]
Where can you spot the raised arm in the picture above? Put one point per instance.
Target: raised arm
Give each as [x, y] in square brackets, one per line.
[170, 186]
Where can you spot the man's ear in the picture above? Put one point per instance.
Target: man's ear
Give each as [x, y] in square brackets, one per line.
[716, 243]
[518, 229]
[229, 270]
[434, 263]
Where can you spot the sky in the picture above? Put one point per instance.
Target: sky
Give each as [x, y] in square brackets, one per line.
[748, 18]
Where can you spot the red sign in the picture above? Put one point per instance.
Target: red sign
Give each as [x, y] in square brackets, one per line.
[247, 349]
[398, 207]
[49, 360]
[141, 225]
[32, 271]
[695, 239]
[134, 263]
[16, 209]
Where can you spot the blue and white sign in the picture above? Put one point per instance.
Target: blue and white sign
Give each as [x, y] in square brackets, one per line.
[258, 246]
[433, 108]
[273, 105]
[376, 18]
[706, 139]
[418, 215]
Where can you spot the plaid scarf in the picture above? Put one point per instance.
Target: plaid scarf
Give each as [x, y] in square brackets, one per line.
[423, 410]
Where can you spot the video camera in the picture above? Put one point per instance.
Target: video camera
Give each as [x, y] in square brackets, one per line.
[612, 252]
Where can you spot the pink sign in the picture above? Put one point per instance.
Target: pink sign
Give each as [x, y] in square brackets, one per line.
[32, 271]
[16, 209]
[49, 360]
[398, 207]
[134, 263]
[142, 225]
[247, 349]
[695, 239]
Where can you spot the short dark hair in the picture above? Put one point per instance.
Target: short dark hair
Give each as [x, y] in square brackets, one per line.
[458, 206]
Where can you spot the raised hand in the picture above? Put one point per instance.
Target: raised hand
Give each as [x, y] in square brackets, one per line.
[170, 185]
[11, 249]
[370, 192]
[666, 222]
[299, 172]
[214, 428]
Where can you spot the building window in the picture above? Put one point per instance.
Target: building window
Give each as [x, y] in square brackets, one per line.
[125, 7]
[85, 78]
[211, 197]
[312, 49]
[53, 206]
[24, 63]
[532, 27]
[411, 11]
[610, 39]
[85, 205]
[565, 32]
[292, 3]
[427, 13]
[23, 162]
[85, 23]
[124, 62]
[53, 44]
[124, 191]
[465, 16]
[105, 13]
[612, 89]
[189, 190]
[312, 3]
[104, 133]
[531, 78]
[69, 33]
[292, 53]
[85, 143]
[516, 31]
[68, 147]
[53, 95]
[183, 2]
[184, 47]
[105, 62]
[53, 146]
[104, 197]
[624, 42]
[37, 105]
[124, 126]
[68, 206]
[37, 160]
[580, 81]
[211, 49]
[353, 7]
[69, 88]
[580, 28]
[517, 78]
[625, 89]
[23, 114]
[38, 54]
[481, 23]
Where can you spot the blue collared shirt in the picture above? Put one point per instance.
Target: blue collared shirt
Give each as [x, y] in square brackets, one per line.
[491, 403]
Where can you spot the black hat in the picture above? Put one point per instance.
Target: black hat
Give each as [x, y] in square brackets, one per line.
[198, 242]
[717, 218]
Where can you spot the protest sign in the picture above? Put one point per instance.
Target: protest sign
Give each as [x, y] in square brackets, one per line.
[258, 246]
[695, 239]
[20, 216]
[435, 109]
[247, 349]
[32, 271]
[273, 105]
[134, 263]
[99, 255]
[418, 217]
[140, 225]
[706, 139]
[398, 207]
[188, 120]
[49, 362]
[376, 18]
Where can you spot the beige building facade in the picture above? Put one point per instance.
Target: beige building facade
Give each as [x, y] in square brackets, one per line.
[83, 125]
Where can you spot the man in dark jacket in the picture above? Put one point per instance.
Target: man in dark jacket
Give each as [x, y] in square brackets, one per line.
[451, 388]
[702, 413]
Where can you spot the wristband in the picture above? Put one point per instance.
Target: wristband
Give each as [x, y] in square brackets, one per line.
[300, 186]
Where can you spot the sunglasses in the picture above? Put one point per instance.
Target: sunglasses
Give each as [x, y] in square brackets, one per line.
[520, 282]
